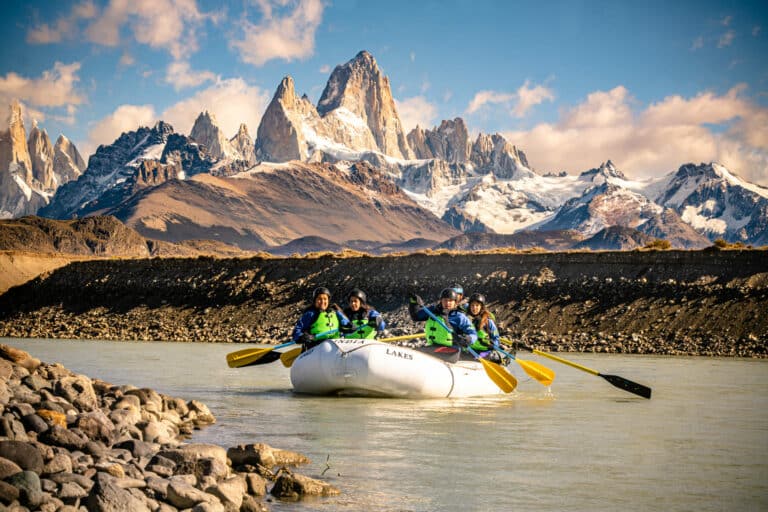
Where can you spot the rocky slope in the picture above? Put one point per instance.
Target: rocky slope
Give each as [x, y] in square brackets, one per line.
[70, 443]
[671, 302]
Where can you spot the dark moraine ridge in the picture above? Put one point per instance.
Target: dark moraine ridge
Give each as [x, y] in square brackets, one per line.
[710, 302]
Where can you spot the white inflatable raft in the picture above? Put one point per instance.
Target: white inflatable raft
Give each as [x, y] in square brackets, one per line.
[372, 368]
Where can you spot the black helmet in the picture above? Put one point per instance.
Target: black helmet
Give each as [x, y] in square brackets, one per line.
[360, 294]
[458, 289]
[322, 290]
[477, 297]
[449, 293]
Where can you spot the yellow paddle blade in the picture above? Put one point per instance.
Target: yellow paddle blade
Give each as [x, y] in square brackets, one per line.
[538, 371]
[287, 358]
[246, 356]
[501, 377]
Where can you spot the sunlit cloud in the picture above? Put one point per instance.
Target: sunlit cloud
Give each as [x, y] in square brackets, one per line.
[66, 27]
[180, 75]
[54, 88]
[232, 101]
[325, 69]
[125, 118]
[655, 140]
[483, 98]
[170, 25]
[518, 103]
[288, 37]
[416, 111]
[726, 39]
[698, 43]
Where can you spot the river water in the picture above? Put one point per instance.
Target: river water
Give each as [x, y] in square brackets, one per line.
[700, 444]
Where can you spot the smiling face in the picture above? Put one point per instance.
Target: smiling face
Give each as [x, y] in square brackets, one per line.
[322, 301]
[448, 304]
[475, 308]
[354, 303]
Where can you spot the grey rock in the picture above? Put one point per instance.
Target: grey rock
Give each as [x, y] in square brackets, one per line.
[26, 455]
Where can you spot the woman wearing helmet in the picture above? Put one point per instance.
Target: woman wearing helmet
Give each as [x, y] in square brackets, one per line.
[463, 334]
[320, 321]
[487, 332]
[365, 320]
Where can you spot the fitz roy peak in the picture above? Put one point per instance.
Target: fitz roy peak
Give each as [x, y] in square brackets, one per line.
[356, 114]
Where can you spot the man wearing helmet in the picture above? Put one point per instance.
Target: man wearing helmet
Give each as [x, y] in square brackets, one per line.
[463, 334]
[365, 320]
[320, 321]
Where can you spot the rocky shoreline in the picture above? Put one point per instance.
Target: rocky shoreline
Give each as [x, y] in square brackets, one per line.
[708, 303]
[72, 444]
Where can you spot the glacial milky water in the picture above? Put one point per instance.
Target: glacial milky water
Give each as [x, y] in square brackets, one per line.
[700, 444]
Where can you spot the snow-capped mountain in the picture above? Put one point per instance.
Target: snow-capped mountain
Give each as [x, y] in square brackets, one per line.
[31, 169]
[717, 203]
[481, 184]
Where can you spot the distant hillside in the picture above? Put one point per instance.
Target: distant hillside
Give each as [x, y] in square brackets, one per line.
[560, 240]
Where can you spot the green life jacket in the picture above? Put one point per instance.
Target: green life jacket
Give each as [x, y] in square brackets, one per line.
[437, 334]
[326, 321]
[366, 332]
[483, 340]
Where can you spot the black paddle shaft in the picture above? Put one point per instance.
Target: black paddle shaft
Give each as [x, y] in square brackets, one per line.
[628, 385]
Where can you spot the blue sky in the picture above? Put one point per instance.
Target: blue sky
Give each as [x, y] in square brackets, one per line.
[650, 85]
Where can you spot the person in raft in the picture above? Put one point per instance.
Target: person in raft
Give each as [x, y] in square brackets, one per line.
[366, 321]
[487, 332]
[464, 333]
[320, 321]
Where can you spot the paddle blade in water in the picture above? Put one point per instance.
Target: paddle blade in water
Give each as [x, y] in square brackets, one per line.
[246, 357]
[501, 377]
[538, 371]
[287, 358]
[628, 385]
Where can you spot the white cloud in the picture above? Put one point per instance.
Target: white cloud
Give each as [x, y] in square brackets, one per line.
[325, 69]
[126, 59]
[232, 101]
[64, 28]
[656, 139]
[125, 118]
[181, 76]
[483, 98]
[280, 37]
[164, 24]
[416, 111]
[518, 103]
[54, 88]
[697, 44]
[529, 97]
[726, 39]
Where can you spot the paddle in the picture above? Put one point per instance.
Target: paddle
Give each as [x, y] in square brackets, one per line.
[619, 382]
[250, 356]
[538, 371]
[501, 377]
[289, 356]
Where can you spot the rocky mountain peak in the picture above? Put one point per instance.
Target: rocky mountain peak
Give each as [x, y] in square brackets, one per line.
[206, 131]
[359, 94]
[68, 165]
[449, 141]
[243, 143]
[606, 171]
[41, 154]
[14, 153]
[494, 154]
